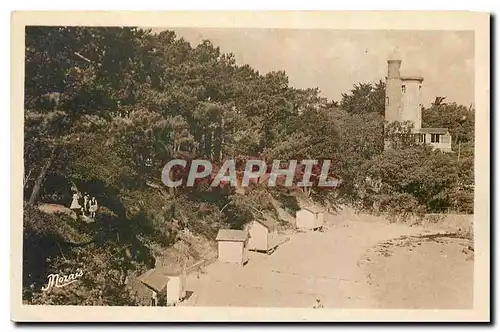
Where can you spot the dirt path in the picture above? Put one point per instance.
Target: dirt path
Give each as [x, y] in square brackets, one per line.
[311, 266]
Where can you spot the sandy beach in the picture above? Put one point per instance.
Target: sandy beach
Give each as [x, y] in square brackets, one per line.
[422, 273]
[342, 268]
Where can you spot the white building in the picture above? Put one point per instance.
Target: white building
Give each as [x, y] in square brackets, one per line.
[263, 234]
[310, 218]
[232, 246]
[168, 287]
[403, 102]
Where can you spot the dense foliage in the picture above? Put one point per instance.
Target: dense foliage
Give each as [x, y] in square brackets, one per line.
[107, 108]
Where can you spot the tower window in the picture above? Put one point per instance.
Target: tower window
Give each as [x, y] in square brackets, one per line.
[387, 100]
[403, 88]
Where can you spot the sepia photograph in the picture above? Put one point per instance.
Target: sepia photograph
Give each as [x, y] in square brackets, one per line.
[169, 166]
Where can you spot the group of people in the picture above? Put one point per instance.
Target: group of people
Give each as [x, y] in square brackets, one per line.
[84, 205]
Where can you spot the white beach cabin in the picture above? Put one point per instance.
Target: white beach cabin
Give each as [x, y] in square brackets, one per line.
[263, 234]
[232, 246]
[168, 286]
[310, 218]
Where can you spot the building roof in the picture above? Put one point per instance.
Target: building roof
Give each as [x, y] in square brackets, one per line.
[171, 270]
[267, 222]
[234, 235]
[314, 209]
[154, 279]
[433, 130]
[412, 78]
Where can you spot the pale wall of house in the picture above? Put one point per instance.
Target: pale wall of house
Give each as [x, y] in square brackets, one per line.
[306, 219]
[231, 252]
[259, 237]
[320, 219]
[175, 289]
[443, 145]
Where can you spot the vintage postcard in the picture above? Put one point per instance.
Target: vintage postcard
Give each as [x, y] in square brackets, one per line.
[250, 166]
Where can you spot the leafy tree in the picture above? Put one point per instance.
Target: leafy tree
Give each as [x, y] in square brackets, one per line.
[67, 92]
[365, 98]
[415, 178]
[361, 138]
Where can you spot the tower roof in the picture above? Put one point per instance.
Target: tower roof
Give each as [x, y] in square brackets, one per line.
[395, 55]
[233, 235]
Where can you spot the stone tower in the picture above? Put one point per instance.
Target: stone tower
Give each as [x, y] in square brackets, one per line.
[393, 91]
[411, 103]
[402, 95]
[403, 102]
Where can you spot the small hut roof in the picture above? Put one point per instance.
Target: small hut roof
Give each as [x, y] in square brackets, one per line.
[314, 209]
[154, 279]
[171, 270]
[267, 222]
[232, 235]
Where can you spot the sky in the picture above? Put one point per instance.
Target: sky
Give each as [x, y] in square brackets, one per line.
[335, 60]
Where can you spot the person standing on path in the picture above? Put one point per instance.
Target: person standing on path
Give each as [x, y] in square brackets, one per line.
[86, 201]
[92, 207]
[75, 206]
